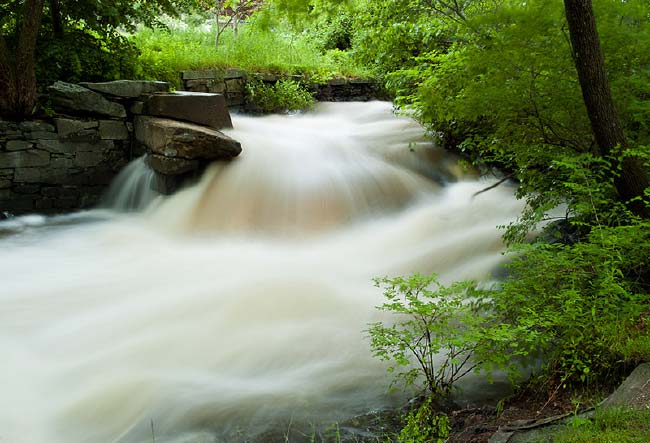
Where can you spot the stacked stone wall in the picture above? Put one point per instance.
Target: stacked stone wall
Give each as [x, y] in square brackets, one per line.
[232, 84]
[66, 160]
[59, 164]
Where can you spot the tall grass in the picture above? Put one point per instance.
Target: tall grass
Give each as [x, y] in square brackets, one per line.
[615, 425]
[165, 52]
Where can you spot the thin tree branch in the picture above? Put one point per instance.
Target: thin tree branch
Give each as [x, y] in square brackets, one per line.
[506, 178]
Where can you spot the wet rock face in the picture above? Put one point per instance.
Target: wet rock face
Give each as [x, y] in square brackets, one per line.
[179, 134]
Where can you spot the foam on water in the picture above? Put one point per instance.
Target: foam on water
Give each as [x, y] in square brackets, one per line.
[242, 300]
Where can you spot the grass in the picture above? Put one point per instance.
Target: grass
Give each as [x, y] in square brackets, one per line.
[614, 425]
[165, 52]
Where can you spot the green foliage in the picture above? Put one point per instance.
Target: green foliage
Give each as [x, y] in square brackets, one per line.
[582, 306]
[301, 14]
[440, 333]
[81, 56]
[82, 40]
[166, 52]
[612, 425]
[390, 34]
[105, 17]
[425, 425]
[284, 95]
[333, 32]
[500, 85]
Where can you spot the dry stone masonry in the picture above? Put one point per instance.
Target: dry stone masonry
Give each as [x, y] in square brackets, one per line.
[66, 161]
[232, 84]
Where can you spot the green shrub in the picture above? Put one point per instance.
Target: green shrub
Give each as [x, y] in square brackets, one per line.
[439, 333]
[501, 86]
[78, 55]
[283, 96]
[425, 425]
[334, 32]
[583, 307]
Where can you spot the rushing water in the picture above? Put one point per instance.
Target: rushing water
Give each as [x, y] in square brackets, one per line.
[241, 301]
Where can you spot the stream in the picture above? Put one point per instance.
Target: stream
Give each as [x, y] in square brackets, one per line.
[240, 303]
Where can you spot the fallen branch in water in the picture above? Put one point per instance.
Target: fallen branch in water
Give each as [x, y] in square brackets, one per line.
[507, 177]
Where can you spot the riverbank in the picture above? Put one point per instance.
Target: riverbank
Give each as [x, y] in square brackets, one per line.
[603, 414]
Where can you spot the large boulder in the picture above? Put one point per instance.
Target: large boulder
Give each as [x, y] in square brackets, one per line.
[77, 99]
[127, 88]
[194, 107]
[174, 139]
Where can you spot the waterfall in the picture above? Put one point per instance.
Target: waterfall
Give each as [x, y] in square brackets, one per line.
[242, 300]
[133, 189]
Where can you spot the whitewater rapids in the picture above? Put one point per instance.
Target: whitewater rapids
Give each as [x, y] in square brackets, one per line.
[242, 300]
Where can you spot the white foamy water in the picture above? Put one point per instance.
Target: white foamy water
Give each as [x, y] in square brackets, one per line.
[241, 301]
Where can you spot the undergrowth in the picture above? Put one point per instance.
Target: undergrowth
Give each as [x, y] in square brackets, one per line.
[282, 96]
[165, 52]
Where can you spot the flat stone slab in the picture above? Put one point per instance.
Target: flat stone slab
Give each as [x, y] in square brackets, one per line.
[77, 98]
[195, 75]
[22, 159]
[77, 129]
[195, 107]
[234, 73]
[338, 81]
[127, 88]
[265, 77]
[360, 81]
[172, 138]
[113, 130]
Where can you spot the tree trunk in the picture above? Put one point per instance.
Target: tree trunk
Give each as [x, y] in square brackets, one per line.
[597, 95]
[55, 12]
[7, 80]
[17, 70]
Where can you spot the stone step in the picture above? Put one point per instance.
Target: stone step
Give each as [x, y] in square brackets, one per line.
[194, 107]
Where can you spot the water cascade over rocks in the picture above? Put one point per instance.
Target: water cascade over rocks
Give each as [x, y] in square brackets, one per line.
[239, 303]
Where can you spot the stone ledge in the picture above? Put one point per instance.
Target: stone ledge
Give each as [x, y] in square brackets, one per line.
[127, 88]
[195, 107]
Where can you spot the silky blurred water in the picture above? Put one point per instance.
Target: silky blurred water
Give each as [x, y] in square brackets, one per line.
[242, 300]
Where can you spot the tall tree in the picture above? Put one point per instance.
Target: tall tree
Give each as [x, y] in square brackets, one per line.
[597, 95]
[17, 76]
[20, 21]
